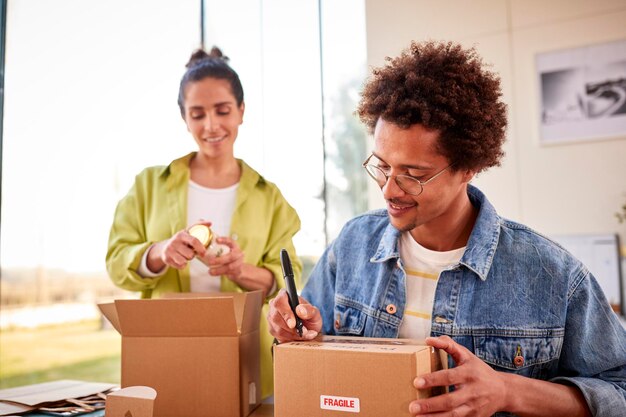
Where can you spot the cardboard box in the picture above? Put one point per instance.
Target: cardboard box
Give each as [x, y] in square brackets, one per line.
[265, 410]
[334, 375]
[199, 352]
[131, 401]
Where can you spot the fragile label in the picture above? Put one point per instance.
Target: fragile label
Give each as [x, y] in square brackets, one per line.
[329, 402]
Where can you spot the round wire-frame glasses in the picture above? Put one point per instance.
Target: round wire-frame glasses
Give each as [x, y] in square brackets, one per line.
[406, 183]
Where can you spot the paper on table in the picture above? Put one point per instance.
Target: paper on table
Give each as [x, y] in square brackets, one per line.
[36, 394]
[9, 409]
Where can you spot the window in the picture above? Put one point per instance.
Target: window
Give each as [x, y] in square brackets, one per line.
[344, 69]
[301, 91]
[90, 100]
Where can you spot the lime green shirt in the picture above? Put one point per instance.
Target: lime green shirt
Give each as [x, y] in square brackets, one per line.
[156, 207]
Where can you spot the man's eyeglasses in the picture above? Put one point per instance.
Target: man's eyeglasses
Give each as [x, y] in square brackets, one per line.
[407, 183]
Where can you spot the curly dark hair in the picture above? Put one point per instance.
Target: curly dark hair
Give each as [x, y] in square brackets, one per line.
[444, 87]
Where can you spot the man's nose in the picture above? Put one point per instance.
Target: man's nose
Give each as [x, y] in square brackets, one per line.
[391, 189]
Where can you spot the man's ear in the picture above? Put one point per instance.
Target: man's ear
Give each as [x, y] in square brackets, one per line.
[468, 175]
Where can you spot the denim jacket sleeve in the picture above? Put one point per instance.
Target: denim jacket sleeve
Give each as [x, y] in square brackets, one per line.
[594, 349]
[320, 288]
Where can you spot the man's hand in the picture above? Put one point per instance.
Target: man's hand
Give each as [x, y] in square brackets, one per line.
[479, 390]
[282, 322]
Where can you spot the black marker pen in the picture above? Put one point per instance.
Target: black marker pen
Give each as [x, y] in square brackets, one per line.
[290, 286]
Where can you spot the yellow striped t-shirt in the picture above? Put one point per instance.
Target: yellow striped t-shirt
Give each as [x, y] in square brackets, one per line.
[422, 267]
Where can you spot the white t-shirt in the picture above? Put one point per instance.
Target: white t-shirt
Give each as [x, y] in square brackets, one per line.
[422, 267]
[215, 205]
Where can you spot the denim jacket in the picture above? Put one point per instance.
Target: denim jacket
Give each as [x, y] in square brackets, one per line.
[514, 292]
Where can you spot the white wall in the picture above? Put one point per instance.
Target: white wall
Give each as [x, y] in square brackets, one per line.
[559, 189]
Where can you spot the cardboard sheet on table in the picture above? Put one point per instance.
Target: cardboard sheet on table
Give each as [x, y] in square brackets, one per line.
[97, 413]
[26, 398]
[10, 409]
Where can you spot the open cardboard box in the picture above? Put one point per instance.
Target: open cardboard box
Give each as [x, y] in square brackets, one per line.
[333, 375]
[200, 352]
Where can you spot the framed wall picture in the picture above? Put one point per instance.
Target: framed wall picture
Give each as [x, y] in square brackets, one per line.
[582, 93]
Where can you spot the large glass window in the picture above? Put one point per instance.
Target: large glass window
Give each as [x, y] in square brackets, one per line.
[302, 64]
[90, 100]
[274, 46]
[343, 48]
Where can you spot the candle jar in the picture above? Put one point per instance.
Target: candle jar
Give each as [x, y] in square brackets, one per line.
[208, 239]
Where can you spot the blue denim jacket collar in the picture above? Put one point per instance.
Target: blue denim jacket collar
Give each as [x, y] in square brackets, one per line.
[388, 247]
[478, 257]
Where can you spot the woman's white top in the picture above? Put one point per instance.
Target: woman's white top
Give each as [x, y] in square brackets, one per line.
[215, 205]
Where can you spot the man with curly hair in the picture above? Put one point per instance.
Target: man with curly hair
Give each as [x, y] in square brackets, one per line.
[526, 326]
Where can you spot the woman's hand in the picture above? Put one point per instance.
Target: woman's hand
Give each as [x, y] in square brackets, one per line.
[175, 252]
[228, 264]
[233, 267]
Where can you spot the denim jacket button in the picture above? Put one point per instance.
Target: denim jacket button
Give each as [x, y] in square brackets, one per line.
[518, 361]
[391, 308]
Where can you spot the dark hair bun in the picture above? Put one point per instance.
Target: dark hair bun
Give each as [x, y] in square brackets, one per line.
[200, 55]
[217, 53]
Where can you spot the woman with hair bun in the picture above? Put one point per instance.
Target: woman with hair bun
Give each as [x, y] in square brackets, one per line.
[150, 248]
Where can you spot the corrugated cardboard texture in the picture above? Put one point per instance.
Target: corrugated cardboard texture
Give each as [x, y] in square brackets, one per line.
[108, 310]
[191, 374]
[250, 369]
[379, 373]
[265, 410]
[247, 306]
[192, 351]
[173, 317]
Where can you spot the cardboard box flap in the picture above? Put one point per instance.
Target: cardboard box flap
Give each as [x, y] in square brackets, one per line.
[247, 306]
[137, 391]
[135, 401]
[109, 311]
[248, 310]
[177, 317]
